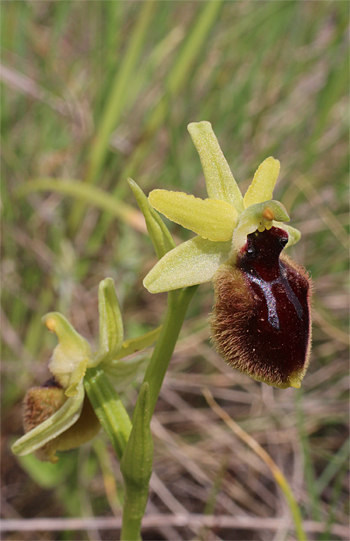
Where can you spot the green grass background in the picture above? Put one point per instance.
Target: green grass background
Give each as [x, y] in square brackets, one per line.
[95, 91]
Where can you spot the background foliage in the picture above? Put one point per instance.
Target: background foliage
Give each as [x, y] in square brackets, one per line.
[98, 91]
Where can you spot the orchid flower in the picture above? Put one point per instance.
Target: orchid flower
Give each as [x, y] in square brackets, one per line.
[261, 323]
[58, 415]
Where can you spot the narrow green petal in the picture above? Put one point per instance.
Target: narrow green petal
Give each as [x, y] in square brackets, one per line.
[293, 234]
[111, 322]
[59, 422]
[259, 216]
[263, 184]
[138, 344]
[218, 177]
[211, 219]
[193, 262]
[157, 230]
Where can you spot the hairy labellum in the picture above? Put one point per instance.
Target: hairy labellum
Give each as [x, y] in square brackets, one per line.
[40, 403]
[261, 321]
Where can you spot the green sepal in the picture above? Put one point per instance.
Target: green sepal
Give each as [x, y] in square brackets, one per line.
[111, 323]
[218, 177]
[109, 408]
[71, 355]
[136, 467]
[59, 422]
[124, 371]
[136, 464]
[157, 230]
[138, 344]
[192, 262]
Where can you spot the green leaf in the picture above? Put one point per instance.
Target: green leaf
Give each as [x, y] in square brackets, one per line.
[263, 183]
[119, 94]
[109, 408]
[59, 422]
[211, 219]
[111, 322]
[218, 177]
[136, 465]
[157, 230]
[87, 194]
[193, 262]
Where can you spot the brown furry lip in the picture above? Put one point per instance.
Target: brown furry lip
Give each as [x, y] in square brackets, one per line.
[261, 323]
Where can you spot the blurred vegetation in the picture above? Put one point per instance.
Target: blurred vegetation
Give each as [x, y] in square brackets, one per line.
[93, 92]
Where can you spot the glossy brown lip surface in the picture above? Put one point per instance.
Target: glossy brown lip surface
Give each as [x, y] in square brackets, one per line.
[261, 320]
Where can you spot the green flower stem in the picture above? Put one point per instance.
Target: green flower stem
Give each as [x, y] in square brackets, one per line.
[178, 303]
[136, 467]
[109, 409]
[136, 494]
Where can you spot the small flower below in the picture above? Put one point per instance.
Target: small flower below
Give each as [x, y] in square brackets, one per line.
[41, 404]
[58, 415]
[54, 415]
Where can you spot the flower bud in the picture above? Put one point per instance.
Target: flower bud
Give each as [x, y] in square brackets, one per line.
[261, 322]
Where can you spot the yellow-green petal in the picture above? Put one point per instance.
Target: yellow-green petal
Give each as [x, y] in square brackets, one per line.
[218, 177]
[211, 219]
[60, 421]
[263, 184]
[193, 262]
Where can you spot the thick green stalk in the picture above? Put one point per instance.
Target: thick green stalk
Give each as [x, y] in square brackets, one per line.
[177, 307]
[136, 493]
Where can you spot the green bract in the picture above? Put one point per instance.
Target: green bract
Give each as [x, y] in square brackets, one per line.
[58, 415]
[221, 222]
